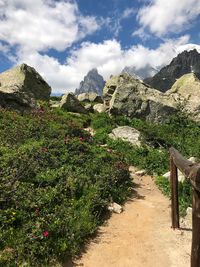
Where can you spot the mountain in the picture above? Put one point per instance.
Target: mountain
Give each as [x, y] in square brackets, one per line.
[140, 74]
[93, 82]
[185, 62]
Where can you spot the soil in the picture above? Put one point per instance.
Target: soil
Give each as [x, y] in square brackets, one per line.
[141, 236]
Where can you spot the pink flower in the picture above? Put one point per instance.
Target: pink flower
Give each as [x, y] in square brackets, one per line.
[45, 233]
[37, 211]
[45, 149]
[82, 138]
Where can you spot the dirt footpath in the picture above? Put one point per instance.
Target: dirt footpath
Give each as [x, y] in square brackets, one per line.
[140, 236]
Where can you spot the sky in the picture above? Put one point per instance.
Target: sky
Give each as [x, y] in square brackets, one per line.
[64, 39]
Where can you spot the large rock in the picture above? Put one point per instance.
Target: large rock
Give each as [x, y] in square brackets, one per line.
[100, 108]
[124, 95]
[186, 62]
[186, 92]
[24, 82]
[90, 97]
[70, 103]
[12, 98]
[93, 82]
[126, 133]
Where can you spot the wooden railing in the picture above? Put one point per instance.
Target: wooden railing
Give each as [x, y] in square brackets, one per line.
[192, 172]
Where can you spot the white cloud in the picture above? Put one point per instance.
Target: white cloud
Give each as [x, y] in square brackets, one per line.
[42, 24]
[162, 17]
[128, 12]
[108, 57]
[32, 27]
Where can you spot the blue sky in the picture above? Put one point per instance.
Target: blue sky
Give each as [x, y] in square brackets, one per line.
[64, 39]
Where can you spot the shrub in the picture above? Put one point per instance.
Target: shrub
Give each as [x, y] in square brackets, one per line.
[55, 184]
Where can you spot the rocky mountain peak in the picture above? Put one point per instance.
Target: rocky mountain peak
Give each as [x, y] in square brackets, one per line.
[140, 74]
[185, 62]
[92, 82]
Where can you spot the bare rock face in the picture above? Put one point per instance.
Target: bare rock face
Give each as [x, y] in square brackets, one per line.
[70, 103]
[126, 133]
[11, 98]
[93, 82]
[124, 95]
[21, 86]
[186, 92]
[27, 80]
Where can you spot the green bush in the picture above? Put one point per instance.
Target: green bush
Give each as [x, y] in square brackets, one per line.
[55, 184]
[55, 98]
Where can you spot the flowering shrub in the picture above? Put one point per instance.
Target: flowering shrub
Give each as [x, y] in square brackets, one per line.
[55, 184]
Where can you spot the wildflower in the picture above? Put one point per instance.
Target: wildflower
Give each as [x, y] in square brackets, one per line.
[45, 233]
[82, 138]
[45, 149]
[37, 211]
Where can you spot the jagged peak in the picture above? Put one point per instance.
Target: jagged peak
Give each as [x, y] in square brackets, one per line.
[93, 81]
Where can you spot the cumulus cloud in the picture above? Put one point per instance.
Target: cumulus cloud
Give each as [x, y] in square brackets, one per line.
[42, 24]
[28, 29]
[162, 17]
[108, 57]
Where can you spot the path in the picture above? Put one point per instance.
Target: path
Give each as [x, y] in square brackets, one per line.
[140, 236]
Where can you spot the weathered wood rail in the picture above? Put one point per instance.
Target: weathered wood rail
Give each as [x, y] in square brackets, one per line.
[192, 172]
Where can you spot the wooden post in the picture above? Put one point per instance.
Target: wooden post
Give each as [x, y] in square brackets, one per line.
[195, 253]
[192, 172]
[174, 194]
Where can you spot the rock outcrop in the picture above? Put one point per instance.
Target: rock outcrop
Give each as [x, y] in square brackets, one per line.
[124, 95]
[186, 92]
[11, 98]
[184, 63]
[21, 86]
[93, 82]
[70, 103]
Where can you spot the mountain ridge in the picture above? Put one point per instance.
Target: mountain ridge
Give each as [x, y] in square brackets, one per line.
[185, 62]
